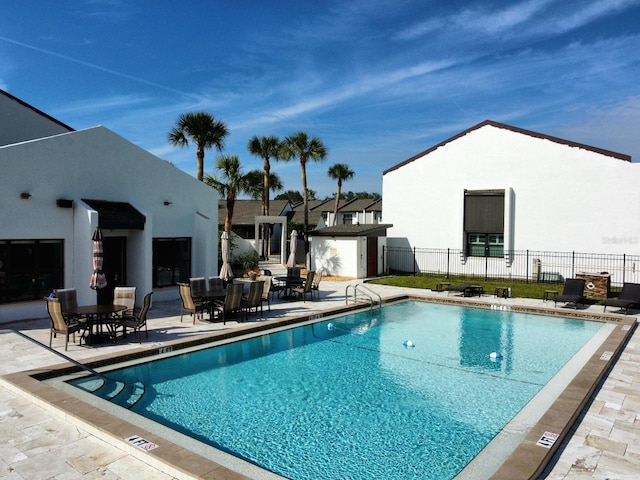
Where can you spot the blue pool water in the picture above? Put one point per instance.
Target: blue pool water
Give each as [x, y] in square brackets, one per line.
[346, 399]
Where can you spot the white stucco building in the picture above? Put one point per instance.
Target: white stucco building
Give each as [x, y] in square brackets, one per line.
[348, 250]
[159, 223]
[494, 189]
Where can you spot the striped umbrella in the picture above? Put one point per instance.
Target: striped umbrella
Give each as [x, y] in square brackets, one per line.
[98, 279]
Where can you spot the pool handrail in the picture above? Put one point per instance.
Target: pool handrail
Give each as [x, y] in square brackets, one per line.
[368, 293]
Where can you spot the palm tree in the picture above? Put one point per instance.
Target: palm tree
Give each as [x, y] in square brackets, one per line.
[255, 183]
[299, 145]
[339, 172]
[202, 129]
[229, 184]
[265, 148]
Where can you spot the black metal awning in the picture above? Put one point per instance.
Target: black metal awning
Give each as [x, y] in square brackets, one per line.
[117, 215]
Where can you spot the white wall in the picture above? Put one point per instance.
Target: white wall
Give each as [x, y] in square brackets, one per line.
[564, 198]
[340, 256]
[98, 164]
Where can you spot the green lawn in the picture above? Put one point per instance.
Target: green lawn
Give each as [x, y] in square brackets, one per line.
[522, 290]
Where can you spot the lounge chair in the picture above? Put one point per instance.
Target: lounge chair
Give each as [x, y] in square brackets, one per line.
[573, 292]
[467, 289]
[136, 322]
[629, 296]
[189, 304]
[305, 289]
[60, 325]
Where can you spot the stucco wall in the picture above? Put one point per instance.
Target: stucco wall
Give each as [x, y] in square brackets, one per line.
[336, 256]
[98, 164]
[564, 198]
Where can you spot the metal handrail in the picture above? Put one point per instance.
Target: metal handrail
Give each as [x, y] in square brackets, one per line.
[102, 377]
[368, 293]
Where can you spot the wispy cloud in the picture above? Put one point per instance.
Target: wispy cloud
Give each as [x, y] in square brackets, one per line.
[93, 66]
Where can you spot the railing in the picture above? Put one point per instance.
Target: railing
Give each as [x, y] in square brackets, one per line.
[365, 292]
[527, 266]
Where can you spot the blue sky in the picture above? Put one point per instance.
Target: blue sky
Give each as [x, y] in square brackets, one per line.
[376, 81]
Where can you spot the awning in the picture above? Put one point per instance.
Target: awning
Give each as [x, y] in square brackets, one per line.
[117, 215]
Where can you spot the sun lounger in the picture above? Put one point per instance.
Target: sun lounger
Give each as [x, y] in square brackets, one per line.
[573, 292]
[467, 289]
[629, 296]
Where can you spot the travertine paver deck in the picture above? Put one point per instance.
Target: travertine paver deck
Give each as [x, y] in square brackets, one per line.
[37, 443]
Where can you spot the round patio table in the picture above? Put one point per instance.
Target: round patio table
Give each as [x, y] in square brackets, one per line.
[97, 316]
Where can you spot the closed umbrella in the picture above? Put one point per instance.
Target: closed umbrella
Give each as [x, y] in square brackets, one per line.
[98, 278]
[226, 273]
[293, 244]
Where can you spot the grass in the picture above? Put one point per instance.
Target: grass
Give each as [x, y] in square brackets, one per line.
[521, 290]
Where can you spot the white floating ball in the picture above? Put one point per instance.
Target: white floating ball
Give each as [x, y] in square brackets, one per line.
[331, 326]
[409, 344]
[495, 355]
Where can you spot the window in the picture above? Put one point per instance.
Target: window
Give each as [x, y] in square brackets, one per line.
[347, 218]
[171, 261]
[484, 223]
[29, 269]
[483, 245]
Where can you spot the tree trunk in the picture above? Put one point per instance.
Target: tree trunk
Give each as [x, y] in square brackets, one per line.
[200, 163]
[305, 196]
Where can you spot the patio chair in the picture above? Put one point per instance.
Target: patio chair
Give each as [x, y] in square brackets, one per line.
[125, 296]
[136, 322]
[305, 289]
[315, 286]
[266, 290]
[189, 304]
[198, 284]
[60, 325]
[629, 296]
[68, 302]
[231, 305]
[215, 284]
[253, 299]
[573, 292]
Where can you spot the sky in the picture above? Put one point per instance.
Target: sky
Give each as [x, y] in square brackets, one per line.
[376, 81]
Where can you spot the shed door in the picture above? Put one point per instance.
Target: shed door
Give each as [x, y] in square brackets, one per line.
[372, 256]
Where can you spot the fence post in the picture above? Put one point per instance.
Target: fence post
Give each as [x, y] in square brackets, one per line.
[527, 266]
[573, 264]
[414, 261]
[448, 267]
[624, 267]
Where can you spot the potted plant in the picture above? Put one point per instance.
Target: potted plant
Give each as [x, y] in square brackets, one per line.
[250, 265]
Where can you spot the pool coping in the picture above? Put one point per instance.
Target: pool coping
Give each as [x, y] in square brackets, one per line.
[528, 460]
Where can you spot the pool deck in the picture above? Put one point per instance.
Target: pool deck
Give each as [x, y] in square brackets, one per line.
[38, 442]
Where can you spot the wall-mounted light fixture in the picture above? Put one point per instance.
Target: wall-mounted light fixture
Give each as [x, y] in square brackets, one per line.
[167, 203]
[64, 203]
[25, 195]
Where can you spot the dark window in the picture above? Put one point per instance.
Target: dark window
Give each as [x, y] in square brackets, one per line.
[484, 223]
[347, 218]
[30, 269]
[171, 261]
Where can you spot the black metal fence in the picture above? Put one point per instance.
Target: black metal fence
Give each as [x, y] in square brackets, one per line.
[525, 266]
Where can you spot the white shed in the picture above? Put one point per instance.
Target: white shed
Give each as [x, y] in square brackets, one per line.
[349, 250]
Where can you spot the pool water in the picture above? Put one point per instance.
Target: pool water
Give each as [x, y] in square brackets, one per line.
[349, 398]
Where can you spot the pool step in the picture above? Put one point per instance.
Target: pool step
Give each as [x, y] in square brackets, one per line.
[121, 393]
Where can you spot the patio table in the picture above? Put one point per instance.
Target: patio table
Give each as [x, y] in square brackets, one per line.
[98, 316]
[290, 282]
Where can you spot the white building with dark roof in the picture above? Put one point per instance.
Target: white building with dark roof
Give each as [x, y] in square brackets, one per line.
[495, 188]
[58, 185]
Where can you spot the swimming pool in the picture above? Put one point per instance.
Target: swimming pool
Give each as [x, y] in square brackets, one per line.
[345, 398]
